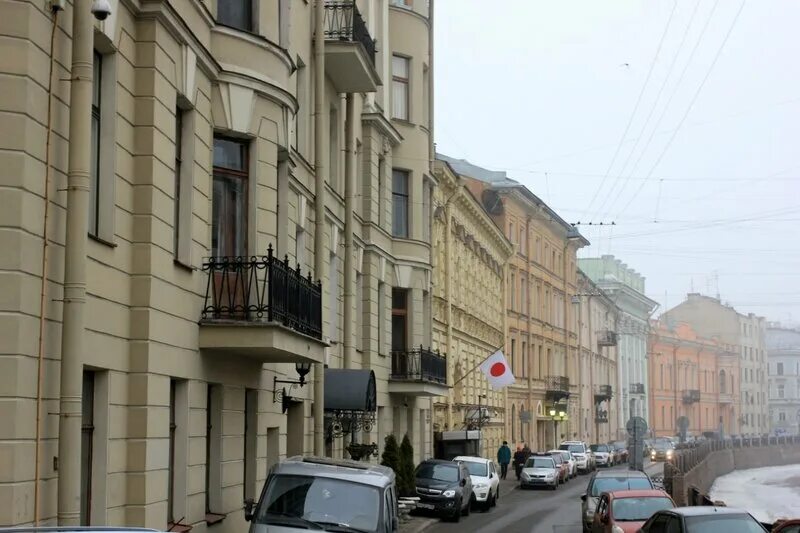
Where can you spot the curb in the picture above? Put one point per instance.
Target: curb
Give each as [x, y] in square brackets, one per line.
[418, 525]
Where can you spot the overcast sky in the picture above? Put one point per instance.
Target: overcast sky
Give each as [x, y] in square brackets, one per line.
[702, 177]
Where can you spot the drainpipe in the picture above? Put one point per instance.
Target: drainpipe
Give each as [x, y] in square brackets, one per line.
[349, 244]
[320, 157]
[448, 290]
[565, 274]
[73, 322]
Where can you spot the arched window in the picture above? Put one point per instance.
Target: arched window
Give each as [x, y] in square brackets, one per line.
[723, 382]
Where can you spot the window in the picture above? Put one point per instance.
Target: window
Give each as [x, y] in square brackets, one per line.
[400, 74]
[94, 198]
[514, 362]
[781, 416]
[236, 14]
[399, 319]
[780, 369]
[182, 201]
[663, 418]
[426, 97]
[87, 445]
[178, 450]
[304, 102]
[176, 225]
[213, 452]
[781, 391]
[523, 295]
[333, 292]
[381, 181]
[381, 316]
[400, 203]
[524, 356]
[229, 203]
[359, 311]
[512, 302]
[171, 515]
[427, 192]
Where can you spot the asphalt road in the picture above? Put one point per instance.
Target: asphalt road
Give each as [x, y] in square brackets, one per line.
[531, 510]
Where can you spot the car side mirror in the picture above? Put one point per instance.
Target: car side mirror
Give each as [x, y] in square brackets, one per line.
[249, 503]
[491, 476]
[583, 497]
[395, 523]
[464, 482]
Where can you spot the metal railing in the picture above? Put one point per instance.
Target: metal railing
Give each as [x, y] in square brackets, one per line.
[689, 455]
[691, 396]
[262, 288]
[607, 338]
[556, 387]
[601, 417]
[637, 388]
[603, 392]
[343, 22]
[422, 364]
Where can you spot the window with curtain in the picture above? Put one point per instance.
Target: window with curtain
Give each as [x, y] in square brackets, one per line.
[400, 75]
[94, 184]
[400, 203]
[399, 319]
[229, 203]
[236, 14]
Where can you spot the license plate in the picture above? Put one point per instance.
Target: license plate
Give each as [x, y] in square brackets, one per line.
[425, 506]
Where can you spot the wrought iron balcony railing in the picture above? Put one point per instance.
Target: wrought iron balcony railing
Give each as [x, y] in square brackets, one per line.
[421, 364]
[607, 338]
[343, 22]
[601, 417]
[691, 396]
[262, 289]
[556, 387]
[637, 388]
[603, 392]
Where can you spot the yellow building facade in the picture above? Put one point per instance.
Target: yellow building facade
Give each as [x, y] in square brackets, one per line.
[541, 337]
[469, 259]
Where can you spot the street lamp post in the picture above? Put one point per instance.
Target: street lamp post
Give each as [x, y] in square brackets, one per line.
[560, 415]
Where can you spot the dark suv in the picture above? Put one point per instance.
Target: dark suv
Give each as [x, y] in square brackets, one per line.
[445, 488]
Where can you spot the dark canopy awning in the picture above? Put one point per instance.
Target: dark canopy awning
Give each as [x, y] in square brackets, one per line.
[350, 390]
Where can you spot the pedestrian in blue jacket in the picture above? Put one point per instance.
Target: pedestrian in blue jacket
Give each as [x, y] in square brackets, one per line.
[503, 458]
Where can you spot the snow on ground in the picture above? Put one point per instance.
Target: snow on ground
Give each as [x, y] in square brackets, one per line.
[767, 493]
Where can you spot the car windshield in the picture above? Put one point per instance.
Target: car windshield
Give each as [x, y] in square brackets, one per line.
[566, 456]
[727, 523]
[609, 484]
[573, 448]
[599, 448]
[663, 445]
[557, 458]
[319, 499]
[476, 469]
[540, 462]
[638, 509]
[438, 472]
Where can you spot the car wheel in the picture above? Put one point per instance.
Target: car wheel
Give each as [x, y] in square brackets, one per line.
[496, 497]
[554, 487]
[456, 517]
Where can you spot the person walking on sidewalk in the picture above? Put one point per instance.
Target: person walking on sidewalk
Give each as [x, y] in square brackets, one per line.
[519, 461]
[503, 458]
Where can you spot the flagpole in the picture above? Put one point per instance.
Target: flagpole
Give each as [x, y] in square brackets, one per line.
[471, 370]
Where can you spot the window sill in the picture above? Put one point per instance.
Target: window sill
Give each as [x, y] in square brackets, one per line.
[404, 121]
[178, 528]
[102, 241]
[214, 518]
[183, 266]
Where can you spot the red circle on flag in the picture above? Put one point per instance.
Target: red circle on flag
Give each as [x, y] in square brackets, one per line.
[497, 369]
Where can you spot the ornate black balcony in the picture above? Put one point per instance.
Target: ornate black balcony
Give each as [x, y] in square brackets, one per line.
[607, 338]
[248, 294]
[556, 388]
[637, 388]
[418, 372]
[691, 396]
[603, 393]
[349, 48]
[601, 417]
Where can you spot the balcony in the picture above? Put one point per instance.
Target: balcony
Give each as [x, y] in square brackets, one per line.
[601, 417]
[637, 388]
[603, 393]
[607, 338]
[261, 308]
[556, 388]
[418, 372]
[349, 49]
[691, 396]
[725, 397]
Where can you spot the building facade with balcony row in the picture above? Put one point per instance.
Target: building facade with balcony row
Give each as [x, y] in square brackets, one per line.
[470, 258]
[783, 356]
[541, 337]
[694, 382]
[743, 333]
[228, 199]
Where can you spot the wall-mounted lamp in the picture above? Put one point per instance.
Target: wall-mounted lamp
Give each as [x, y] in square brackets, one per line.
[281, 395]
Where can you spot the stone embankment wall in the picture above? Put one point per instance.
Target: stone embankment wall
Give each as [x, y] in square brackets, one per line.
[690, 483]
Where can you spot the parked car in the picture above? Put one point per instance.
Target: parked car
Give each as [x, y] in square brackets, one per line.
[567, 457]
[584, 459]
[609, 481]
[563, 467]
[303, 493]
[627, 510]
[444, 487]
[485, 480]
[662, 450]
[540, 470]
[603, 454]
[621, 449]
[702, 519]
[786, 526]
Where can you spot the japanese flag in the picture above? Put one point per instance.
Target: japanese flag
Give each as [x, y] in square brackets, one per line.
[497, 371]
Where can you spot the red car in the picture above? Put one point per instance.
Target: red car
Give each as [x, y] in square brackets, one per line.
[628, 510]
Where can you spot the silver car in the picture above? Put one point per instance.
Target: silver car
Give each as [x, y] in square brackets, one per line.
[540, 471]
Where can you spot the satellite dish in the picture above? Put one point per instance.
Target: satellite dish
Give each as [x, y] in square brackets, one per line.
[492, 202]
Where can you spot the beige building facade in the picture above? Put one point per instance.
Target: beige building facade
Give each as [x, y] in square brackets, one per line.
[470, 257]
[226, 201]
[541, 338]
[598, 378]
[738, 333]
